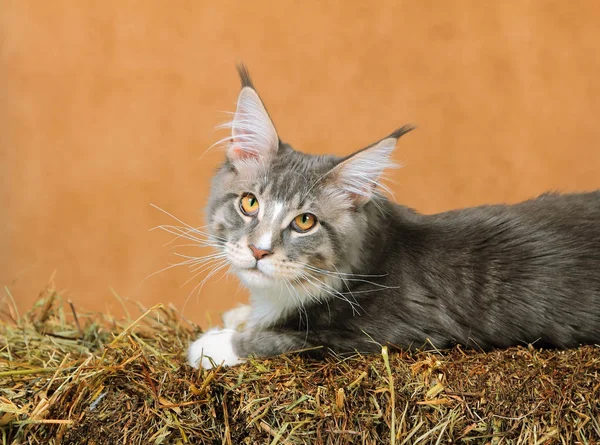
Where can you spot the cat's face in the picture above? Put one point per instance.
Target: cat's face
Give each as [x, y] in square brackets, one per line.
[282, 226]
[288, 220]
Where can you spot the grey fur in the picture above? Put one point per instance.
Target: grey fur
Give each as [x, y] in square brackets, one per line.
[485, 277]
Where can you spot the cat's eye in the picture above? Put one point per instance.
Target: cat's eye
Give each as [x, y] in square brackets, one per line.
[303, 223]
[249, 204]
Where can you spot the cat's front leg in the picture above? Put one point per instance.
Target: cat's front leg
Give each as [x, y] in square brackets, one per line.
[214, 347]
[268, 343]
[229, 347]
[216, 344]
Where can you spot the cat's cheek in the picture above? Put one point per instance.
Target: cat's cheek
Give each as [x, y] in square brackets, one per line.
[216, 344]
[240, 257]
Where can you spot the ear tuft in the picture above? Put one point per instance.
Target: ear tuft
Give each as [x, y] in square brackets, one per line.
[245, 78]
[397, 134]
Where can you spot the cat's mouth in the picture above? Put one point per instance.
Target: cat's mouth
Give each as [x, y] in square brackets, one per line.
[254, 277]
[257, 271]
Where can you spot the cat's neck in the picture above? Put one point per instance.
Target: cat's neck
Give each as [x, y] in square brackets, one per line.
[384, 221]
[274, 304]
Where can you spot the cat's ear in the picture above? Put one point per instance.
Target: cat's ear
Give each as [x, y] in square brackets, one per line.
[253, 135]
[359, 174]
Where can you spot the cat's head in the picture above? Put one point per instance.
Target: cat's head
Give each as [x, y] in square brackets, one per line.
[289, 219]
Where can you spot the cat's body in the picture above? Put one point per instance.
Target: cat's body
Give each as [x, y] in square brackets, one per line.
[487, 277]
[369, 272]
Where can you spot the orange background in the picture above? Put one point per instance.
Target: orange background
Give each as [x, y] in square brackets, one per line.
[108, 106]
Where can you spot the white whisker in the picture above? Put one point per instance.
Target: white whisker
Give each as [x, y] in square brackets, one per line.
[201, 283]
[181, 232]
[301, 309]
[318, 269]
[322, 286]
[347, 287]
[175, 218]
[171, 266]
[349, 277]
[198, 271]
[198, 288]
[198, 258]
[200, 264]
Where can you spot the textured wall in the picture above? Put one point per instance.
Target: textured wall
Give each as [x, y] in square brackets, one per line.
[108, 106]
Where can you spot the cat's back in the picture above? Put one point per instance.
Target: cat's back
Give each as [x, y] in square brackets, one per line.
[553, 238]
[584, 205]
[544, 234]
[562, 215]
[552, 227]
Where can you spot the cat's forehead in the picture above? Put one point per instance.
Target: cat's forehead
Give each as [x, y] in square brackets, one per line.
[294, 176]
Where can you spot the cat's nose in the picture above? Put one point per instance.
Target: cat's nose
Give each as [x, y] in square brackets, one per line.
[259, 253]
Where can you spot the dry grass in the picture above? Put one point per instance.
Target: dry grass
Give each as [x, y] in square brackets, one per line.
[88, 378]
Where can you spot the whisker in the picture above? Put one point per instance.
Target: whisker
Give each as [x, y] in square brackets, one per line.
[347, 287]
[198, 265]
[198, 257]
[198, 241]
[305, 313]
[185, 226]
[183, 263]
[349, 277]
[190, 245]
[336, 293]
[311, 296]
[198, 288]
[198, 271]
[217, 268]
[197, 229]
[318, 269]
[290, 291]
[187, 233]
[300, 305]
[331, 291]
[225, 273]
[172, 216]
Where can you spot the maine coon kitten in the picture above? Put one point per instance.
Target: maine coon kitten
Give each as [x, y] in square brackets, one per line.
[332, 263]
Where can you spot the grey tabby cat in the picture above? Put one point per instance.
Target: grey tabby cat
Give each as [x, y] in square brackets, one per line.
[331, 263]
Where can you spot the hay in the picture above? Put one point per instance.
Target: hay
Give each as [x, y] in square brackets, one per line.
[75, 378]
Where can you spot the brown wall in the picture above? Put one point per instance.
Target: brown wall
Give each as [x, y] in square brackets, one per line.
[107, 106]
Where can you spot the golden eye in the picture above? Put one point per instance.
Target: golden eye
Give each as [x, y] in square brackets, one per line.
[249, 204]
[303, 223]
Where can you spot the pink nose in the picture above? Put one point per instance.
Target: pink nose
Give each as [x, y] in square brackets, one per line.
[259, 253]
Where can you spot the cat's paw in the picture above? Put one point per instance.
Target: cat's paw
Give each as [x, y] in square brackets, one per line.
[236, 318]
[216, 344]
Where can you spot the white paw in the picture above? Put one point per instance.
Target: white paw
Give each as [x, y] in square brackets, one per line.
[236, 318]
[216, 344]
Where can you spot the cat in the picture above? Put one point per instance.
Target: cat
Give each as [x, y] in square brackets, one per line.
[333, 265]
